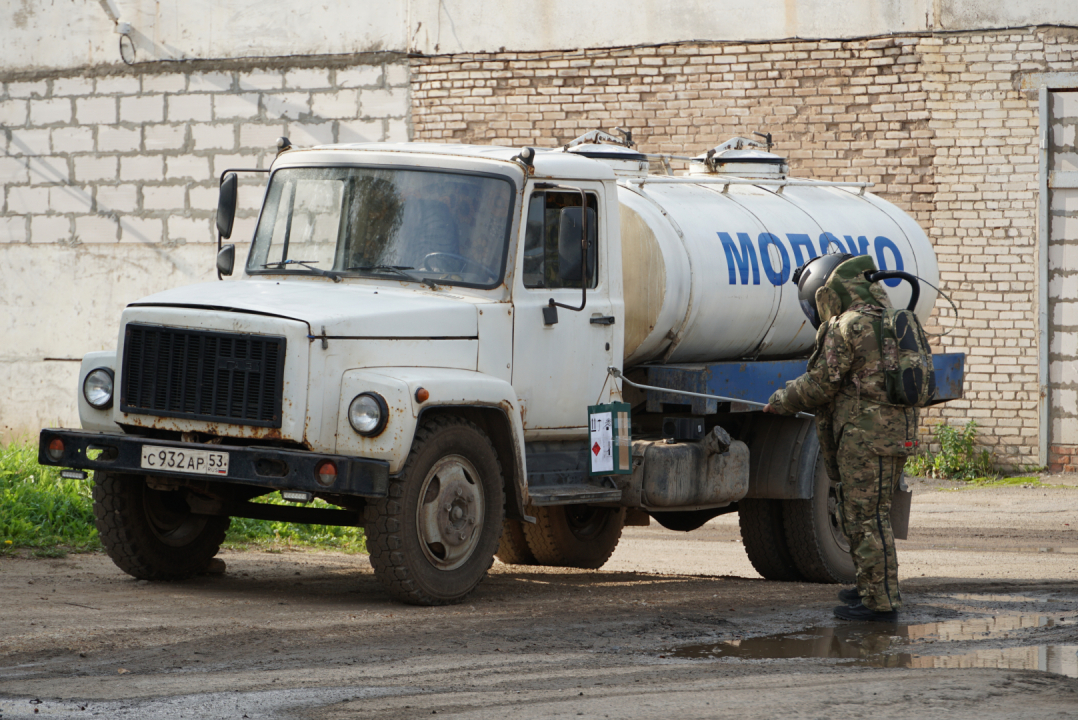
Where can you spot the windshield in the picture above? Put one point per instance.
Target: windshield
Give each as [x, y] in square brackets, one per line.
[420, 225]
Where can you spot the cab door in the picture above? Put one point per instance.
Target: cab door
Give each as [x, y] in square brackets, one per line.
[561, 356]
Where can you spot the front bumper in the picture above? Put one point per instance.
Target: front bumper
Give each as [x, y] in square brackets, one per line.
[266, 467]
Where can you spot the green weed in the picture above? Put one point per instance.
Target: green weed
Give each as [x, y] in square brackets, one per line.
[38, 508]
[51, 552]
[1020, 481]
[958, 458]
[265, 534]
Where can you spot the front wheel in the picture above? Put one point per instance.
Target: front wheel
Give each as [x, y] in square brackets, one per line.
[152, 534]
[580, 536]
[433, 537]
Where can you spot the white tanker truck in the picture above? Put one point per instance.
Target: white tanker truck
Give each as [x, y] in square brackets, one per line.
[482, 351]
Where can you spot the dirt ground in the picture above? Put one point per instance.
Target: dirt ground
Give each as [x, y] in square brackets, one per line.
[676, 625]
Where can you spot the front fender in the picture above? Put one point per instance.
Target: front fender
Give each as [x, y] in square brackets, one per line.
[448, 388]
[89, 417]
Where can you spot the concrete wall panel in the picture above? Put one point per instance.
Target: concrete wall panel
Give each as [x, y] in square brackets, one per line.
[68, 34]
[40, 394]
[980, 14]
[58, 303]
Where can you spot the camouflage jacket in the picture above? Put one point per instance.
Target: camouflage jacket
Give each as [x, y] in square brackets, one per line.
[844, 382]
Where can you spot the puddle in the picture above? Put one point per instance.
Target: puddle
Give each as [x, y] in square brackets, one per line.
[889, 646]
[1000, 598]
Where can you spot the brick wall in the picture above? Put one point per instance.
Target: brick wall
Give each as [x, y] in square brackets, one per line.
[92, 165]
[939, 123]
[108, 192]
[984, 133]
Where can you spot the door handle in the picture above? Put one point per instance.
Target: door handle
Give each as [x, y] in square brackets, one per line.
[604, 320]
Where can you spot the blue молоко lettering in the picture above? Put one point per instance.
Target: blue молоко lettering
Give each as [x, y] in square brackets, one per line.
[742, 259]
[776, 278]
[742, 263]
[882, 244]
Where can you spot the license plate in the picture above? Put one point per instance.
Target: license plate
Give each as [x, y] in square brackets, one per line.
[199, 462]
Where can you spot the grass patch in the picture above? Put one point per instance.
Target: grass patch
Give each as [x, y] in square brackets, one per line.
[1007, 481]
[41, 510]
[51, 515]
[245, 533]
[959, 457]
[50, 552]
[1020, 481]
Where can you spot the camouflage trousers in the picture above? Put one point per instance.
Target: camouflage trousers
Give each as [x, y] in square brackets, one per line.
[868, 482]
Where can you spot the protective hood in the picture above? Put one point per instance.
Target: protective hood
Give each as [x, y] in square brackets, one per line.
[344, 310]
[847, 287]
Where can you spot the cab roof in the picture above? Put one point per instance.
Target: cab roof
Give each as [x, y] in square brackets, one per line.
[548, 162]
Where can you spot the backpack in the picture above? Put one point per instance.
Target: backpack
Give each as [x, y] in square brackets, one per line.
[907, 360]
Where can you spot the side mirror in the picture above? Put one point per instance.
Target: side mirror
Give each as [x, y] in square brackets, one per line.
[226, 259]
[226, 205]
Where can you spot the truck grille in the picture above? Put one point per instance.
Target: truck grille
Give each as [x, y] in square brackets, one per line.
[225, 377]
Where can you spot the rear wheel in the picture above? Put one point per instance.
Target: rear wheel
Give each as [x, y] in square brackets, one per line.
[514, 549]
[762, 533]
[581, 536]
[433, 538]
[814, 533]
[152, 534]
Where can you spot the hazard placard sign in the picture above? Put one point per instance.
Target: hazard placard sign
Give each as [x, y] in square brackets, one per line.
[610, 439]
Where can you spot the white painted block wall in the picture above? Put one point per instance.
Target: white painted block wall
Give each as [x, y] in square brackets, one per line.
[108, 192]
[1063, 272]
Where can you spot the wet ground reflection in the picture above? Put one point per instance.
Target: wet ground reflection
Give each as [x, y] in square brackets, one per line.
[886, 646]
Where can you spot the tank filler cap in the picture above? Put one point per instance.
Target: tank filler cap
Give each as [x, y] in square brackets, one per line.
[616, 152]
[741, 157]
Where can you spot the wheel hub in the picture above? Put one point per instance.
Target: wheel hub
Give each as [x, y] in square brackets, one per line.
[449, 517]
[586, 522]
[170, 519]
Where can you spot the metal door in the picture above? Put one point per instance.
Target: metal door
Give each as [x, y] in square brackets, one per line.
[560, 368]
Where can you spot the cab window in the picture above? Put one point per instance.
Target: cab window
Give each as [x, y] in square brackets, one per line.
[552, 240]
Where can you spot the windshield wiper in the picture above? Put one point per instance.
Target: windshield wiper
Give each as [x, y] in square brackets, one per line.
[397, 270]
[308, 264]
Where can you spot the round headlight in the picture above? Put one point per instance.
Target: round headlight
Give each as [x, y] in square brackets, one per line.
[97, 388]
[368, 414]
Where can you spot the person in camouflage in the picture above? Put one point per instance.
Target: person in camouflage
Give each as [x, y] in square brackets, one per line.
[864, 439]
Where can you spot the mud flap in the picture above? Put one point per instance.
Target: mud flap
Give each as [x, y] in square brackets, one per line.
[900, 510]
[900, 513]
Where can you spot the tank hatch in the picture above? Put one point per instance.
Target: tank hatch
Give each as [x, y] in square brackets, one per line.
[741, 157]
[616, 152]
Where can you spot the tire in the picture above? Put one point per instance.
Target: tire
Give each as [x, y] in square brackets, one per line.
[814, 534]
[418, 536]
[514, 549]
[580, 536]
[762, 533]
[152, 534]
